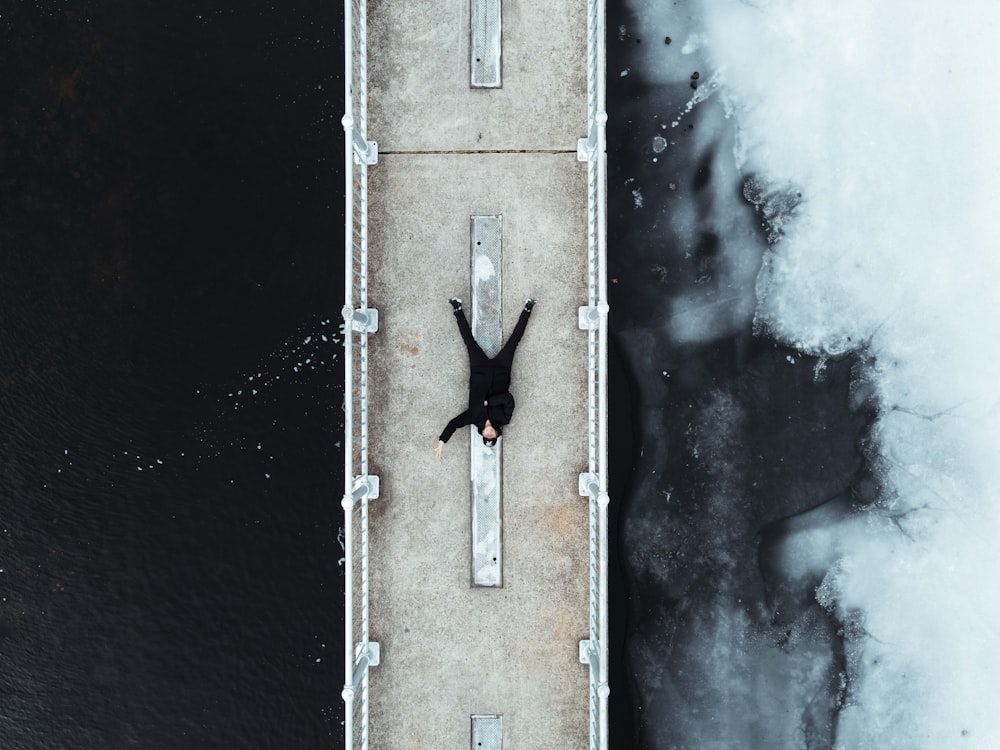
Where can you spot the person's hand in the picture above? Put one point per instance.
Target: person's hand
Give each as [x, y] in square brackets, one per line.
[438, 449]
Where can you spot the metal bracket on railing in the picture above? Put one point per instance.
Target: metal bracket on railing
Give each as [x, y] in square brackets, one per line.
[590, 653]
[366, 486]
[590, 484]
[586, 147]
[369, 655]
[362, 319]
[365, 152]
[589, 316]
[589, 319]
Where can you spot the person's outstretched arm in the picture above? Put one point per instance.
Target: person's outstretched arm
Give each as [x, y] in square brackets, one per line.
[460, 421]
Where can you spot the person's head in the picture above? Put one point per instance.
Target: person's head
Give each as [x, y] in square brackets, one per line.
[490, 434]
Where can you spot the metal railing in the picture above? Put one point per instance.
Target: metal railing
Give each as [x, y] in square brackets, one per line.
[594, 318]
[359, 322]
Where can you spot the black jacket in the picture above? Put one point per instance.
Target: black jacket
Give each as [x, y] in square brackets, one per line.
[490, 385]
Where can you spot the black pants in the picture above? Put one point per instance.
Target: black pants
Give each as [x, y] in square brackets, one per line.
[505, 357]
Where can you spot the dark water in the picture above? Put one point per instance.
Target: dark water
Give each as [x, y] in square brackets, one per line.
[170, 237]
[736, 447]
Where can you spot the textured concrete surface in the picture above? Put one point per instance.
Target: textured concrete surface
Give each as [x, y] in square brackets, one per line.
[450, 650]
[419, 93]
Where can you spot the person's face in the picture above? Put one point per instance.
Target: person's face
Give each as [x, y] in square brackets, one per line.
[489, 432]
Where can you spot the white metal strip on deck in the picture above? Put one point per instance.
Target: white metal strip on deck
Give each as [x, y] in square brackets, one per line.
[487, 512]
[487, 323]
[485, 48]
[487, 732]
[487, 461]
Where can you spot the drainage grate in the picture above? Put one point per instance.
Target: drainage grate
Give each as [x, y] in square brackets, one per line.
[485, 47]
[487, 732]
[487, 462]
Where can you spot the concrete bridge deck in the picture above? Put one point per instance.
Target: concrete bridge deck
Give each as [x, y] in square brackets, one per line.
[450, 650]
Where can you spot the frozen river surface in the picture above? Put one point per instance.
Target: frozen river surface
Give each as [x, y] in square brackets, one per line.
[802, 244]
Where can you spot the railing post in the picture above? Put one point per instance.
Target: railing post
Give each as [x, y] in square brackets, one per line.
[589, 484]
[365, 152]
[587, 147]
[363, 319]
[365, 488]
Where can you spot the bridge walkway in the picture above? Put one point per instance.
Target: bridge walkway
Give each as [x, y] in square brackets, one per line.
[451, 650]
